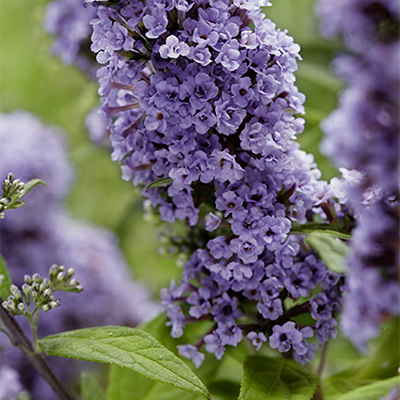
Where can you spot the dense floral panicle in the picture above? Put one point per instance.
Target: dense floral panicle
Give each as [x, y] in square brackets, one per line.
[374, 290]
[110, 297]
[363, 134]
[31, 150]
[69, 22]
[203, 114]
[358, 21]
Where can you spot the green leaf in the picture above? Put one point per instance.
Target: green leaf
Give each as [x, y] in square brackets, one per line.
[91, 390]
[5, 286]
[268, 378]
[126, 347]
[372, 391]
[226, 389]
[320, 228]
[159, 183]
[331, 250]
[382, 363]
[193, 332]
[162, 392]
[32, 183]
[123, 382]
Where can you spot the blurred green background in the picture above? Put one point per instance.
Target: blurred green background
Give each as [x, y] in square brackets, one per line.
[32, 79]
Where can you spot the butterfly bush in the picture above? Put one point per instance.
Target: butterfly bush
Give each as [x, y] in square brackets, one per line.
[203, 112]
[363, 134]
[42, 233]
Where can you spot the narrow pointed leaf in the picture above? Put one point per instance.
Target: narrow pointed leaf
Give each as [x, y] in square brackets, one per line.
[91, 390]
[126, 347]
[266, 378]
[32, 183]
[372, 391]
[159, 183]
[381, 364]
[331, 250]
[5, 285]
[320, 228]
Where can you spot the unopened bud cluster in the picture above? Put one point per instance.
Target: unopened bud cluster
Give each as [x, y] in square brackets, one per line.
[61, 279]
[13, 190]
[39, 291]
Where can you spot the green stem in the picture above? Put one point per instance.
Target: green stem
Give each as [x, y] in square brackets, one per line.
[18, 338]
[34, 325]
[318, 395]
[323, 357]
[33, 322]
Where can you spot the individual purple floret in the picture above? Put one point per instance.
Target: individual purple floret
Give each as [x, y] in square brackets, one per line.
[257, 339]
[285, 337]
[203, 114]
[191, 353]
[362, 135]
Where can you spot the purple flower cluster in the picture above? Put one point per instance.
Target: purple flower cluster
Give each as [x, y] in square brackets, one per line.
[10, 385]
[203, 115]
[372, 278]
[363, 134]
[69, 22]
[41, 233]
[358, 22]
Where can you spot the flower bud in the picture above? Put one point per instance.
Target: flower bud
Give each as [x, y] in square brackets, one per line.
[54, 303]
[43, 286]
[21, 308]
[53, 271]
[27, 290]
[9, 305]
[70, 272]
[16, 293]
[60, 277]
